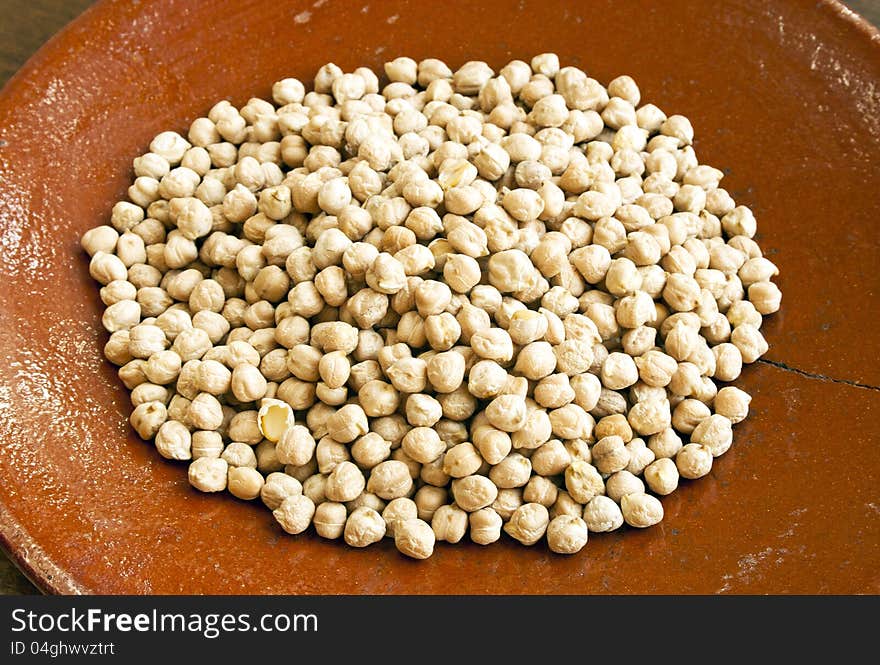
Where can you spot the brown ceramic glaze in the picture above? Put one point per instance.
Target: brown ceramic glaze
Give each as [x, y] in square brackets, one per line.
[784, 96]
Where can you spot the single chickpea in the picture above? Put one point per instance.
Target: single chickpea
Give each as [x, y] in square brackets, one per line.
[208, 474]
[732, 403]
[313, 488]
[474, 492]
[553, 391]
[715, 433]
[619, 371]
[571, 422]
[551, 458]
[513, 471]
[244, 482]
[621, 483]
[423, 444]
[528, 523]
[345, 482]
[615, 424]
[540, 490]
[610, 454]
[364, 527]
[240, 454]
[536, 360]
[565, 505]
[390, 480]
[693, 461]
[296, 446]
[445, 371]
[461, 272]
[729, 360]
[348, 423]
[640, 456]
[485, 526]
[462, 460]
[247, 382]
[295, 513]
[414, 538]
[641, 510]
[278, 487]
[329, 519]
[602, 515]
[173, 440]
[507, 412]
[650, 416]
[662, 476]
[567, 534]
[665, 444]
[583, 481]
[378, 399]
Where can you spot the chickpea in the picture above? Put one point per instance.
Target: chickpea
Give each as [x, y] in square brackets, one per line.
[641, 510]
[414, 538]
[474, 492]
[345, 483]
[244, 482]
[364, 527]
[567, 534]
[423, 444]
[732, 403]
[485, 526]
[583, 481]
[507, 412]
[528, 523]
[330, 519]
[295, 513]
[602, 515]
[390, 480]
[693, 461]
[278, 487]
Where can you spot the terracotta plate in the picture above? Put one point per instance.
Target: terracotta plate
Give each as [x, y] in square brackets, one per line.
[785, 98]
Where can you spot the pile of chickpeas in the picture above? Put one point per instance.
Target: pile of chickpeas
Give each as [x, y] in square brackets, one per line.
[438, 305]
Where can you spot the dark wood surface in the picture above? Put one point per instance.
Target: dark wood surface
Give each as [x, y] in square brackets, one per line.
[28, 24]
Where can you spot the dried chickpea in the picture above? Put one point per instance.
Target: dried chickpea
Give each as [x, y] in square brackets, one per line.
[208, 474]
[528, 523]
[662, 476]
[641, 510]
[414, 538]
[485, 526]
[474, 492]
[396, 511]
[244, 482]
[390, 480]
[345, 483]
[567, 534]
[732, 403]
[364, 527]
[693, 461]
[278, 487]
[330, 519]
[295, 513]
[583, 481]
[602, 515]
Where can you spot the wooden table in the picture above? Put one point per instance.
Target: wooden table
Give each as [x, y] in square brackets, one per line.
[24, 28]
